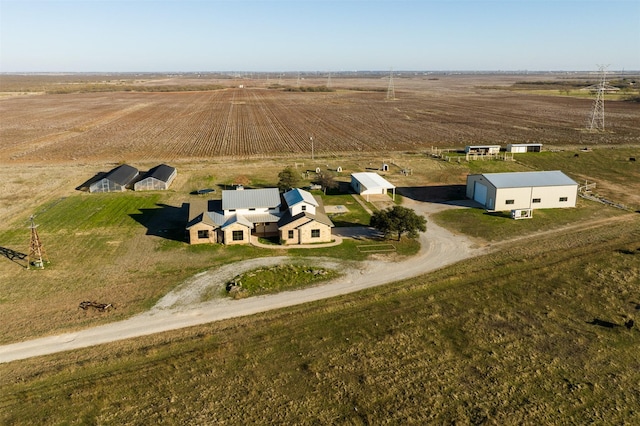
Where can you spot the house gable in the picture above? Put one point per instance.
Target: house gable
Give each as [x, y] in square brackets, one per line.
[299, 200]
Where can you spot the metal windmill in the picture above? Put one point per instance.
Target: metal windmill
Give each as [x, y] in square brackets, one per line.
[37, 256]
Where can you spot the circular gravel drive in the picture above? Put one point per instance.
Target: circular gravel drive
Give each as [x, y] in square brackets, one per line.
[182, 307]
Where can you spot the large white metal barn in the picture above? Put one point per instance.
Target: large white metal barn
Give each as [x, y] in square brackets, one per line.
[522, 190]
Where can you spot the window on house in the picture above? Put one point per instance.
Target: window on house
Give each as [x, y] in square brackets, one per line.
[238, 235]
[252, 209]
[315, 233]
[563, 199]
[304, 208]
[232, 210]
[535, 200]
[203, 233]
[509, 202]
[290, 234]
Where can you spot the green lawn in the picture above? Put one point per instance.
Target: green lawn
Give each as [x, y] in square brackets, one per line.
[356, 214]
[497, 226]
[279, 278]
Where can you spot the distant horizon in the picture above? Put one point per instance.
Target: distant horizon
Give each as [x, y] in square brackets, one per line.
[241, 73]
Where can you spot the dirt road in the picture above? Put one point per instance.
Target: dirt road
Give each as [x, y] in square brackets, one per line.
[182, 307]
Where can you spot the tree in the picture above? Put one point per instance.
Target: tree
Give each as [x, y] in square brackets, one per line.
[327, 181]
[398, 219]
[242, 180]
[289, 179]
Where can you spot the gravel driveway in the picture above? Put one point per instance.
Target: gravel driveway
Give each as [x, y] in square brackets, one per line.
[183, 307]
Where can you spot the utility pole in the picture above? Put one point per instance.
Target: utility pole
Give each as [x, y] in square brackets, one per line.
[391, 92]
[597, 113]
[311, 139]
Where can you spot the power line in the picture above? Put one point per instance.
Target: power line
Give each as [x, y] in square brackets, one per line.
[391, 93]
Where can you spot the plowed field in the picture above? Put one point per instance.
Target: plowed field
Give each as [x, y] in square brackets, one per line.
[255, 121]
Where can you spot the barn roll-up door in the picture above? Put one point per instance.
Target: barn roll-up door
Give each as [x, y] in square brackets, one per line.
[480, 193]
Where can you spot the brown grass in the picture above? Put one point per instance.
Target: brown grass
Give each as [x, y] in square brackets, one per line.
[256, 122]
[509, 338]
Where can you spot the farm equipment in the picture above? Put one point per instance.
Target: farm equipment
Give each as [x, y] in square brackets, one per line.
[102, 307]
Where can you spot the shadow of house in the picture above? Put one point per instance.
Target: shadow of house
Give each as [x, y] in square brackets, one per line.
[440, 194]
[165, 221]
[87, 184]
[14, 256]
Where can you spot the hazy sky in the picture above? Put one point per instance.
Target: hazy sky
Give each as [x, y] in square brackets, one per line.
[318, 35]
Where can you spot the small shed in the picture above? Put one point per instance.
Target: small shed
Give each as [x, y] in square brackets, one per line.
[524, 147]
[482, 149]
[116, 180]
[367, 183]
[158, 178]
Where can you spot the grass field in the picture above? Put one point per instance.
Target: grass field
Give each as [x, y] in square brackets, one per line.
[517, 337]
[128, 249]
[530, 334]
[499, 226]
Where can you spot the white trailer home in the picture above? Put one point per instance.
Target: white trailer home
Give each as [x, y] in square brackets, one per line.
[519, 148]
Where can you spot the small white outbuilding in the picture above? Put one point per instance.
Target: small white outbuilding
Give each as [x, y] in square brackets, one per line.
[367, 183]
[522, 190]
[524, 147]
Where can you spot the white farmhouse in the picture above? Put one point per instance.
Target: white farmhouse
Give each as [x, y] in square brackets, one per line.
[242, 213]
[524, 147]
[522, 190]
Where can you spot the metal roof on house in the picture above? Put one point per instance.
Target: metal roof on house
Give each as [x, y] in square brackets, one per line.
[296, 196]
[372, 180]
[161, 172]
[318, 217]
[250, 198]
[261, 217]
[238, 218]
[528, 179]
[122, 175]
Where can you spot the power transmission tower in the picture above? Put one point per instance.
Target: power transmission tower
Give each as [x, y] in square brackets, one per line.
[596, 122]
[37, 255]
[329, 81]
[391, 93]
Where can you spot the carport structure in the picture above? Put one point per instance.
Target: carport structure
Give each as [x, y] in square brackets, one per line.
[366, 183]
